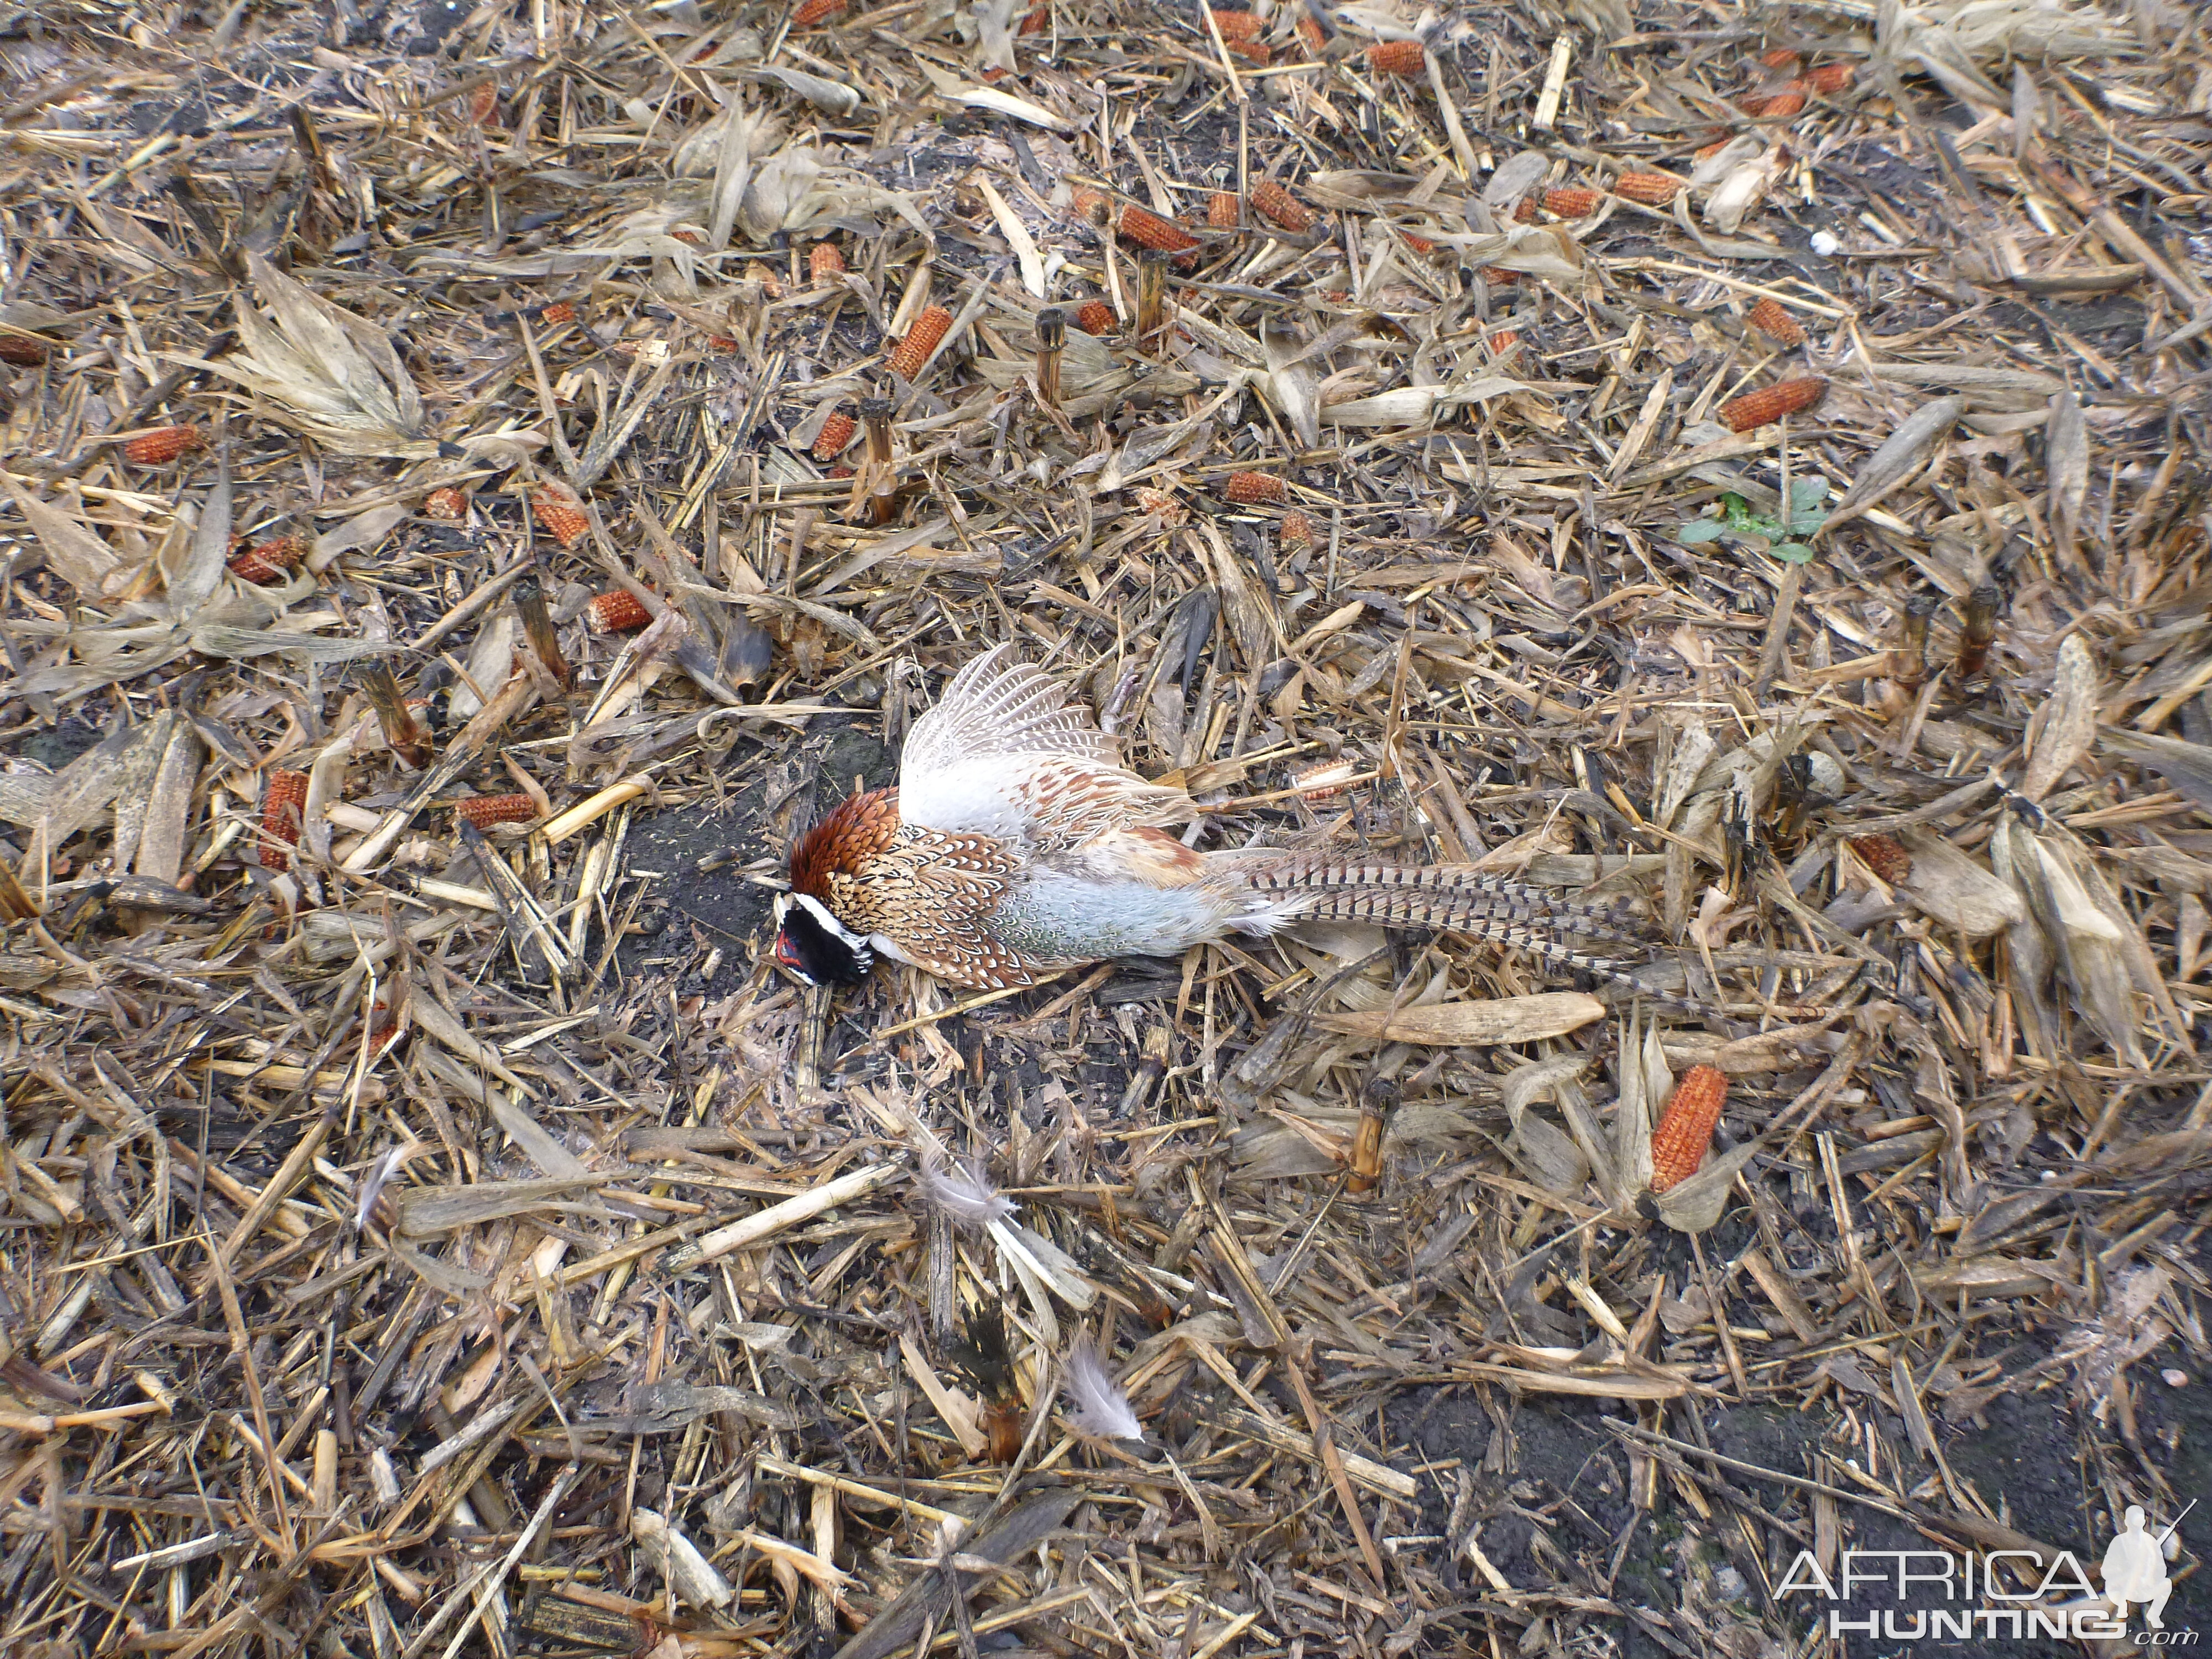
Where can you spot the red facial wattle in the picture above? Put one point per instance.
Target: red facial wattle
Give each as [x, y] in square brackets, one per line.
[787, 952]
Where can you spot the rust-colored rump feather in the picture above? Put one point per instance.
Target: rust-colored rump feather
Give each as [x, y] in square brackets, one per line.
[1149, 855]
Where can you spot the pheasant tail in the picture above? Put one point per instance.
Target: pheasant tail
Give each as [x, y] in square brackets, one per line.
[1440, 896]
[1455, 898]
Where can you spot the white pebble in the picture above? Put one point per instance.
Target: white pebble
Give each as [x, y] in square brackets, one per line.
[2173, 1378]
[1826, 245]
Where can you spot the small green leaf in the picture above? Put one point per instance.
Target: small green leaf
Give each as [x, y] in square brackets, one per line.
[1738, 512]
[1793, 553]
[1701, 530]
[1808, 492]
[1804, 524]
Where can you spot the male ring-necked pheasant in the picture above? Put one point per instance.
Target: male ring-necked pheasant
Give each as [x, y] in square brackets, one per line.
[1017, 845]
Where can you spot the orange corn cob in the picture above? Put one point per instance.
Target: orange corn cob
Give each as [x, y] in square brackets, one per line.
[1420, 245]
[270, 560]
[1161, 504]
[1034, 23]
[283, 799]
[1770, 319]
[617, 610]
[163, 444]
[1096, 317]
[720, 342]
[1573, 202]
[1885, 855]
[1525, 214]
[561, 513]
[1258, 52]
[1309, 32]
[921, 340]
[25, 351]
[445, 503]
[1788, 102]
[1277, 203]
[1771, 403]
[1713, 149]
[1503, 341]
[1830, 78]
[1396, 57]
[1496, 278]
[1147, 229]
[815, 11]
[485, 811]
[1221, 210]
[1297, 530]
[483, 103]
[1245, 488]
[1685, 1128]
[553, 316]
[836, 432]
[1237, 25]
[1652, 189]
[1780, 58]
[825, 261]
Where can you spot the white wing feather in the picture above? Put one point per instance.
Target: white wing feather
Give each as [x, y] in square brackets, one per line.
[1005, 754]
[994, 707]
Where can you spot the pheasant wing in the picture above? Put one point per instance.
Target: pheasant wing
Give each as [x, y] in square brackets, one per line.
[1005, 754]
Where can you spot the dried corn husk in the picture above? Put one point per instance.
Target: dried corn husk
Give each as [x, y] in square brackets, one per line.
[1968, 33]
[1892, 464]
[2186, 766]
[2089, 944]
[1545, 1152]
[1411, 405]
[690, 1577]
[1955, 889]
[336, 377]
[1503, 1020]
[2066, 725]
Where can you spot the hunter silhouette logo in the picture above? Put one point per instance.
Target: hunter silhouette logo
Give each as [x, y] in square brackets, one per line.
[2135, 1569]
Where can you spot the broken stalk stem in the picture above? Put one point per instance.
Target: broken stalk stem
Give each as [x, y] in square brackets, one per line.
[537, 626]
[402, 733]
[1052, 335]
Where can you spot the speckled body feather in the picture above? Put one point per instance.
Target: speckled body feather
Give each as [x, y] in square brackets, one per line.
[1016, 846]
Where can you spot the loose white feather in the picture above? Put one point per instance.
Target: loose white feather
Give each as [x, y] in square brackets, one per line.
[1101, 1410]
[964, 1192]
[380, 1175]
[372, 1184]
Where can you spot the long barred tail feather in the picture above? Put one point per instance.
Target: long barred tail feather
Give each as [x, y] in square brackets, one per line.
[1462, 901]
[1459, 900]
[1448, 896]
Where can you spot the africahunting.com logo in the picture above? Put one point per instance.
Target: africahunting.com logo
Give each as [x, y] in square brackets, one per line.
[2030, 1596]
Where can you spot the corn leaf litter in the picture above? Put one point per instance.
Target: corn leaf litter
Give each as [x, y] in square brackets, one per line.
[1969, 33]
[73, 553]
[335, 376]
